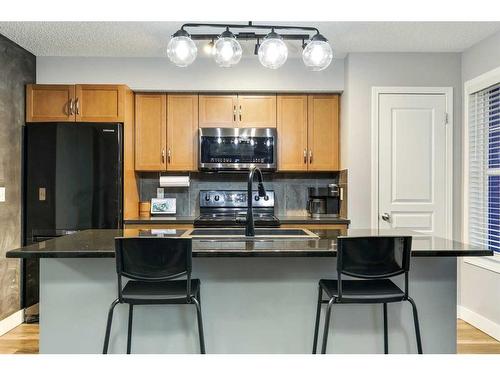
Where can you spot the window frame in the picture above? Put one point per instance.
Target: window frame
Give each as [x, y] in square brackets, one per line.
[472, 86]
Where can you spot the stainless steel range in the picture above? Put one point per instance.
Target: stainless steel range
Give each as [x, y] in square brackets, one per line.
[228, 208]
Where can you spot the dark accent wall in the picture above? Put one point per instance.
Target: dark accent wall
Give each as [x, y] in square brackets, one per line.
[17, 68]
[290, 189]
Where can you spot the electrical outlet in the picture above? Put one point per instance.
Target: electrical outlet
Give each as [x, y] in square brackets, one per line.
[2, 194]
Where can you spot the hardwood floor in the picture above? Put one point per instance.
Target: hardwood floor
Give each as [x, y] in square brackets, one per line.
[21, 340]
[24, 340]
[471, 340]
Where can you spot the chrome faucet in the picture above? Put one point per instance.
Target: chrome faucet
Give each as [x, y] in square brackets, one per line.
[250, 227]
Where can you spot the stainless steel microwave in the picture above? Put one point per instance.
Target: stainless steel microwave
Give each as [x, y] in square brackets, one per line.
[226, 149]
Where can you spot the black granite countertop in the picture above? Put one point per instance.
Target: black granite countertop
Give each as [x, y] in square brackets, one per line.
[296, 219]
[99, 243]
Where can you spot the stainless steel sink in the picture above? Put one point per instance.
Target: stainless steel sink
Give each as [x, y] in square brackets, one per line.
[260, 233]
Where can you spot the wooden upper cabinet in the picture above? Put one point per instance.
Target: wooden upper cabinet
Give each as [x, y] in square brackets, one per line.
[45, 103]
[217, 111]
[257, 111]
[246, 111]
[323, 132]
[100, 103]
[292, 132]
[150, 132]
[182, 132]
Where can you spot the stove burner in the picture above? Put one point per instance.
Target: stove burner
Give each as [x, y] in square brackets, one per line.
[221, 209]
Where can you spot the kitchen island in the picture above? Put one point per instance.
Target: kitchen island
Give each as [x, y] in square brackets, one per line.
[258, 296]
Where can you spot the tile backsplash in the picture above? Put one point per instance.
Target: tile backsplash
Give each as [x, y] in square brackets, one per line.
[290, 189]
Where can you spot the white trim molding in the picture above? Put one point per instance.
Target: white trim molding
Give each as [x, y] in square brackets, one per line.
[448, 93]
[479, 83]
[11, 322]
[484, 324]
[491, 263]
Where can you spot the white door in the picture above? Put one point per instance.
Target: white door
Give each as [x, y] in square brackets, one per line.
[413, 177]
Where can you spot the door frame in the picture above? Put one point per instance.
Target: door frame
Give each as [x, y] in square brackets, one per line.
[448, 94]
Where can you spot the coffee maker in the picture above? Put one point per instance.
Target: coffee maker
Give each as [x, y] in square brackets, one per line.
[324, 201]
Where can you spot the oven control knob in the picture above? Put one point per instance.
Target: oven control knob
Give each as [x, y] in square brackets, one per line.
[257, 198]
[207, 197]
[216, 198]
[266, 198]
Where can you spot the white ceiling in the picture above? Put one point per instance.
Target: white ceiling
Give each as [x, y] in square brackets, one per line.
[149, 39]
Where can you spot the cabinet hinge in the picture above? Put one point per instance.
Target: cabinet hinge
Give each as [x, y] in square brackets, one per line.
[446, 118]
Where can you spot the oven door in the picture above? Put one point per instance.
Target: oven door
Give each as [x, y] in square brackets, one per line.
[237, 148]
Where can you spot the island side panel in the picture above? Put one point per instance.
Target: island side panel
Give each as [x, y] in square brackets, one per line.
[250, 305]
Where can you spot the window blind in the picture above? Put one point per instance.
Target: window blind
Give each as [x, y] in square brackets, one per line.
[484, 168]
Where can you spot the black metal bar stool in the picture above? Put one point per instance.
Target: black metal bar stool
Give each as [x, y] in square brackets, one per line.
[153, 264]
[374, 259]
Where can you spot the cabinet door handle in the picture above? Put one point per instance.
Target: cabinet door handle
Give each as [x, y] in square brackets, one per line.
[77, 106]
[305, 156]
[234, 113]
[70, 109]
[162, 156]
[168, 156]
[310, 156]
[240, 113]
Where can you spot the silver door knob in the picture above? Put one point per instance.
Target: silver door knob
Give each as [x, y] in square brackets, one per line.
[386, 217]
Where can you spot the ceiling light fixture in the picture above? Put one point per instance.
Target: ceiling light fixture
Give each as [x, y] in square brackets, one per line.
[273, 51]
[257, 46]
[209, 48]
[227, 50]
[317, 53]
[181, 49]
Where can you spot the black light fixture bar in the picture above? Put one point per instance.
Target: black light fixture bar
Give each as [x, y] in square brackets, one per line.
[250, 35]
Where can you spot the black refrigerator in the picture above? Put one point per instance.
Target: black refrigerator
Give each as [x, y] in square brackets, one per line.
[72, 181]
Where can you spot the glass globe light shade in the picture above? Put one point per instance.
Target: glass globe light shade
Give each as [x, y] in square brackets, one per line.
[181, 49]
[273, 51]
[227, 50]
[318, 53]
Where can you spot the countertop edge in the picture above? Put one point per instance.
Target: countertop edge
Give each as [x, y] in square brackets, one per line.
[232, 254]
[190, 220]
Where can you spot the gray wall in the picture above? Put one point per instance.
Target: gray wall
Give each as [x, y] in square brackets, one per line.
[481, 57]
[149, 74]
[365, 70]
[477, 284]
[290, 189]
[17, 68]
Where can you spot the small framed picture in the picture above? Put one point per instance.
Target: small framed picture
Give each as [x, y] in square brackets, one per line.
[163, 206]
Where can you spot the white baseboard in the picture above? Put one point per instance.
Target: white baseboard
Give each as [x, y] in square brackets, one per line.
[11, 322]
[484, 324]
